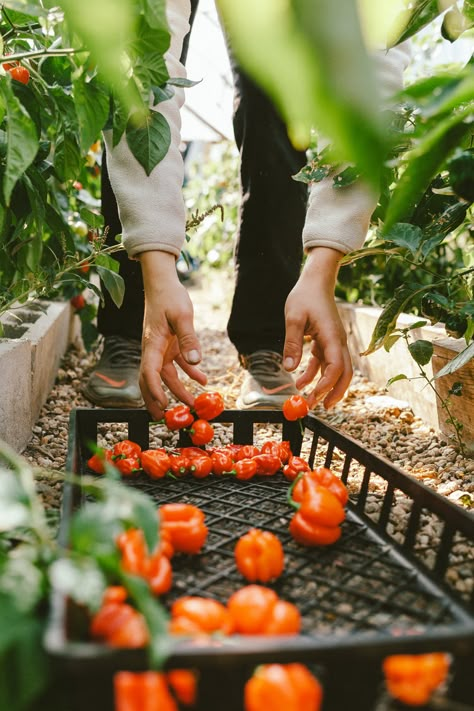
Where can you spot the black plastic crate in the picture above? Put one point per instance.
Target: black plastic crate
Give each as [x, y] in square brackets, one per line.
[383, 588]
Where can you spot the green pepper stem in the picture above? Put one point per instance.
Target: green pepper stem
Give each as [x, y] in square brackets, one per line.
[289, 498]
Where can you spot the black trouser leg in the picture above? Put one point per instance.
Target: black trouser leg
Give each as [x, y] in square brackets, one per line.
[126, 321]
[268, 252]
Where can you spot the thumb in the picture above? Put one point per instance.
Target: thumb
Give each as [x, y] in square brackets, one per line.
[293, 348]
[188, 342]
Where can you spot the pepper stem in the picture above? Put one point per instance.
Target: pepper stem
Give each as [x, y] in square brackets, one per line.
[289, 498]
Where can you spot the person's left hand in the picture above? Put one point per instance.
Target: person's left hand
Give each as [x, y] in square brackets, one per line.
[310, 310]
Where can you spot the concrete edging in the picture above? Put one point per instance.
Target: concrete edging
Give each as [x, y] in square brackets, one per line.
[36, 338]
[380, 366]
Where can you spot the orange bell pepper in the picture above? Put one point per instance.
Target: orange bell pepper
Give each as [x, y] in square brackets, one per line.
[412, 678]
[283, 687]
[185, 525]
[258, 610]
[259, 556]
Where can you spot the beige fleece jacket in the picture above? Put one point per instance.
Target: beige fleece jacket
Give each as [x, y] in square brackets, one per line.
[152, 209]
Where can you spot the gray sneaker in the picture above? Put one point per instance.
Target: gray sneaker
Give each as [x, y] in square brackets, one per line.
[114, 380]
[267, 384]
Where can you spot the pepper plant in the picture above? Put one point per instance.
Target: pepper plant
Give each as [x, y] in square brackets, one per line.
[59, 88]
[35, 562]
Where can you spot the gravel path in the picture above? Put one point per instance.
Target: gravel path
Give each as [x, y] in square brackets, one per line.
[386, 426]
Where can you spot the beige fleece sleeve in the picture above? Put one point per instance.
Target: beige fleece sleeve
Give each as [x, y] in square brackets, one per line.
[340, 218]
[151, 208]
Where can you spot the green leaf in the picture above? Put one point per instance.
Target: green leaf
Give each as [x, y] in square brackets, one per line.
[93, 219]
[335, 91]
[421, 351]
[114, 284]
[347, 177]
[423, 163]
[388, 318]
[149, 143]
[108, 262]
[405, 235]
[390, 341]
[396, 378]
[92, 106]
[312, 173]
[156, 618]
[417, 15]
[417, 324]
[457, 362]
[183, 82]
[67, 157]
[155, 13]
[22, 140]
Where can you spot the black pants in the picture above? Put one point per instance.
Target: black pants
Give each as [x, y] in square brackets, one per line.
[268, 249]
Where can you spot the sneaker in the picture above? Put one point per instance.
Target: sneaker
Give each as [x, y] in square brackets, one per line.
[114, 380]
[267, 384]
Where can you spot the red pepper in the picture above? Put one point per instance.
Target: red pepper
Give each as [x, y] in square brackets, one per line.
[283, 687]
[295, 466]
[201, 432]
[155, 463]
[192, 452]
[201, 466]
[221, 463]
[130, 466]
[114, 593]
[295, 407]
[185, 524]
[178, 417]
[194, 614]
[180, 465]
[126, 448]
[208, 405]
[165, 545]
[246, 451]
[259, 556]
[258, 610]
[119, 625]
[281, 449]
[142, 691]
[98, 460]
[245, 469]
[267, 464]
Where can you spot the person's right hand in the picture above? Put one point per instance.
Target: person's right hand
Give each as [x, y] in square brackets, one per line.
[168, 335]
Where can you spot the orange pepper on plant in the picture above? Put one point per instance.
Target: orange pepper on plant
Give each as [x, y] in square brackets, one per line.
[259, 556]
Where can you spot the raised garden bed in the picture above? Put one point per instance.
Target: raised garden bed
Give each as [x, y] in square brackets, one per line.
[369, 595]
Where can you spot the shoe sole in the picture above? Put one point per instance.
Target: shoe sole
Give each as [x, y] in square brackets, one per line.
[260, 405]
[108, 402]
